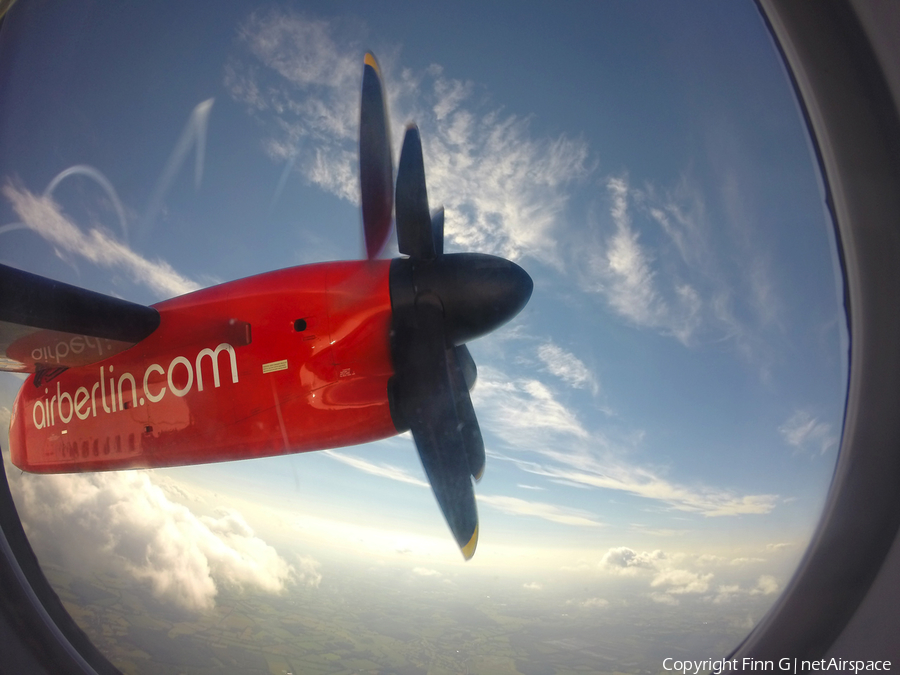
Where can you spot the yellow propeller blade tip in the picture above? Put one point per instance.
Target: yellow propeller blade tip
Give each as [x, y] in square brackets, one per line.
[469, 549]
[370, 61]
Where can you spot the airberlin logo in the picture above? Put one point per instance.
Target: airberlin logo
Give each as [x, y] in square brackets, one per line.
[110, 393]
[62, 349]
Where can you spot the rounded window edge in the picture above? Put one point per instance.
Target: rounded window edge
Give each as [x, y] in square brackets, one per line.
[37, 633]
[855, 129]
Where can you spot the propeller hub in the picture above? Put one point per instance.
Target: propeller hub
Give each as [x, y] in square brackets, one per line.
[477, 292]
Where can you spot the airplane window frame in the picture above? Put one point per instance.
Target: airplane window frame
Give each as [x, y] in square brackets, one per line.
[844, 93]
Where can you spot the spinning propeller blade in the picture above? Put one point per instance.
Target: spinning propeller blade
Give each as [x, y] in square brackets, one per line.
[439, 302]
[415, 236]
[376, 171]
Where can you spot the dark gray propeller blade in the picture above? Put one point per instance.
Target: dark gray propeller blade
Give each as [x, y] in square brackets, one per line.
[437, 231]
[428, 403]
[415, 236]
[460, 364]
[376, 172]
[31, 300]
[30, 304]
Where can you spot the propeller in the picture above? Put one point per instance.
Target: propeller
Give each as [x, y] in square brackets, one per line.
[376, 171]
[439, 302]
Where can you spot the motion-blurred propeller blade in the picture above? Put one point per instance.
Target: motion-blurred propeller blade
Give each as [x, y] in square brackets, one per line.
[415, 236]
[427, 403]
[467, 365]
[459, 361]
[437, 231]
[376, 172]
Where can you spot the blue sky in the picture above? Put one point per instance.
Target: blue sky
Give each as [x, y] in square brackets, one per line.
[668, 406]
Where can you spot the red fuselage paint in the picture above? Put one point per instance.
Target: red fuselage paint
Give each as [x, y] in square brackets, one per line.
[289, 361]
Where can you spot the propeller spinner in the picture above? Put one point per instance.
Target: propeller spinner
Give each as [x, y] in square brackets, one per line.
[439, 302]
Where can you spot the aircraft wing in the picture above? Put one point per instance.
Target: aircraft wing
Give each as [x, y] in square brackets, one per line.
[47, 326]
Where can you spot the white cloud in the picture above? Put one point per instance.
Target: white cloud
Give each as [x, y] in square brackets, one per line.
[528, 417]
[664, 599]
[663, 265]
[679, 581]
[805, 432]
[509, 505]
[660, 568]
[566, 366]
[612, 474]
[300, 49]
[425, 572]
[306, 571]
[533, 586]
[727, 593]
[124, 524]
[504, 189]
[44, 216]
[522, 411]
[550, 512]
[780, 546]
[621, 270]
[382, 470]
[766, 585]
[746, 561]
[623, 560]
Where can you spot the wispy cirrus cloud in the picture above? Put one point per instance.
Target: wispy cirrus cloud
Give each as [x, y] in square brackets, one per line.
[610, 473]
[504, 188]
[805, 432]
[550, 512]
[509, 505]
[524, 409]
[567, 367]
[546, 438]
[662, 265]
[375, 469]
[45, 217]
[621, 270]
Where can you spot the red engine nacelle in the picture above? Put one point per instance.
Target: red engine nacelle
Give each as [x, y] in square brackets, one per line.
[288, 361]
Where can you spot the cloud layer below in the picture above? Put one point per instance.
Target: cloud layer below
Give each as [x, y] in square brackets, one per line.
[123, 523]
